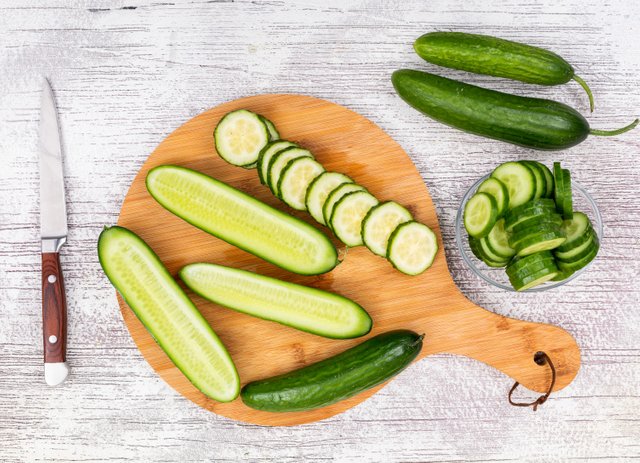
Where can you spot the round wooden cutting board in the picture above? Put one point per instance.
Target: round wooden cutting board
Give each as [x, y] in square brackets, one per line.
[430, 303]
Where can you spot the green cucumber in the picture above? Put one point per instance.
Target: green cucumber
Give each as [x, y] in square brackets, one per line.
[295, 180]
[498, 241]
[336, 195]
[336, 378]
[578, 252]
[241, 220]
[542, 227]
[579, 264]
[548, 176]
[491, 258]
[528, 210]
[319, 191]
[301, 307]
[541, 180]
[567, 206]
[477, 250]
[480, 214]
[578, 230]
[483, 54]
[499, 191]
[519, 180]
[518, 263]
[279, 161]
[380, 222]
[167, 313]
[542, 241]
[549, 219]
[412, 248]
[532, 268]
[530, 122]
[535, 279]
[240, 136]
[270, 150]
[271, 128]
[348, 214]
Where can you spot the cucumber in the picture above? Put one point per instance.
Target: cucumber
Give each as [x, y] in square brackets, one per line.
[519, 180]
[578, 252]
[271, 129]
[270, 150]
[548, 176]
[348, 214]
[579, 264]
[480, 214]
[549, 219]
[499, 191]
[296, 178]
[279, 161]
[543, 227]
[498, 241]
[567, 206]
[239, 137]
[167, 313]
[489, 257]
[319, 190]
[519, 263]
[483, 54]
[541, 181]
[297, 306]
[336, 378]
[542, 241]
[412, 248]
[336, 195]
[380, 222]
[535, 279]
[242, 220]
[539, 207]
[477, 250]
[530, 122]
[533, 267]
[577, 230]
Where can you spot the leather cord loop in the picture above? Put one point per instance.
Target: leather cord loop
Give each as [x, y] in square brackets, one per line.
[541, 358]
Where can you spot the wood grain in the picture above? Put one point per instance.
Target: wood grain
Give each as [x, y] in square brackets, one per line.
[54, 309]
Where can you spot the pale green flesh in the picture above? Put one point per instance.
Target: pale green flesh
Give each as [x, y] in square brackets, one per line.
[412, 248]
[498, 240]
[240, 136]
[269, 152]
[381, 221]
[300, 307]
[477, 214]
[347, 216]
[273, 132]
[242, 220]
[295, 180]
[279, 162]
[335, 196]
[497, 189]
[168, 314]
[519, 180]
[319, 191]
[539, 281]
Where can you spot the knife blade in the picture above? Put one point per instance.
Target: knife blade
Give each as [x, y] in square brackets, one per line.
[53, 232]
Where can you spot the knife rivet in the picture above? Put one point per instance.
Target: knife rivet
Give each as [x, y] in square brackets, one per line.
[53, 339]
[51, 279]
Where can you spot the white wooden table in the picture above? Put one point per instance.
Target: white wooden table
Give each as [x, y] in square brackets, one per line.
[128, 72]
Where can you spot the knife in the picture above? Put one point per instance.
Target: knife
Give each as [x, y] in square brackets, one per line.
[53, 231]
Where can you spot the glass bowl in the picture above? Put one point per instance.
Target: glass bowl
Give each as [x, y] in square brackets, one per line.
[582, 201]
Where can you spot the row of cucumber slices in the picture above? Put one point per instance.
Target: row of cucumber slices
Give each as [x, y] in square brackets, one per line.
[333, 199]
[522, 218]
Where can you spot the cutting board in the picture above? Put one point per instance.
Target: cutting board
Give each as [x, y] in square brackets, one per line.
[342, 141]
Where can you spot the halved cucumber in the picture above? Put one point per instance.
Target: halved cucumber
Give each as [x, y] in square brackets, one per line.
[380, 222]
[336, 195]
[271, 128]
[242, 220]
[498, 241]
[239, 137]
[519, 180]
[307, 309]
[541, 242]
[167, 313]
[577, 265]
[498, 190]
[412, 248]
[480, 214]
[541, 181]
[270, 150]
[319, 190]
[348, 213]
[535, 279]
[279, 161]
[548, 176]
[578, 230]
[296, 178]
[578, 252]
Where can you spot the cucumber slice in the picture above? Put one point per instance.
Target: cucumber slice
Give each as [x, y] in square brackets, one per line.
[541, 242]
[477, 251]
[270, 150]
[578, 230]
[579, 264]
[167, 313]
[519, 180]
[380, 222]
[567, 204]
[498, 190]
[319, 190]
[548, 176]
[273, 132]
[491, 258]
[307, 309]
[296, 178]
[412, 248]
[533, 268]
[480, 214]
[498, 241]
[544, 227]
[578, 252]
[541, 181]
[279, 161]
[336, 195]
[535, 279]
[523, 212]
[519, 263]
[551, 219]
[347, 216]
[239, 137]
[242, 220]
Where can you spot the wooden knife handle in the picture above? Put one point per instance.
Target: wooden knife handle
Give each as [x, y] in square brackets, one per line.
[54, 309]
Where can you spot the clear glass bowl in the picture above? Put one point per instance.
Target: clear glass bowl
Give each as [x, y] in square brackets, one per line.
[582, 201]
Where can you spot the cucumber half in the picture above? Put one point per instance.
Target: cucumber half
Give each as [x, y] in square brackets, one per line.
[279, 161]
[412, 248]
[270, 150]
[519, 180]
[167, 313]
[319, 190]
[348, 214]
[336, 195]
[307, 309]
[380, 222]
[295, 179]
[239, 137]
[241, 220]
[480, 214]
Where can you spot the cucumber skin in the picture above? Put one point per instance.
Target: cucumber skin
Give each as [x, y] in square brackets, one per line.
[530, 122]
[336, 378]
[483, 54]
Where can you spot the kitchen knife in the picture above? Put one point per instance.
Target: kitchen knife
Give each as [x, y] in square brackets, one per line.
[53, 231]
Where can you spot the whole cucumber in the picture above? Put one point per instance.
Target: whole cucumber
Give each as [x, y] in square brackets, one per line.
[336, 378]
[483, 54]
[531, 122]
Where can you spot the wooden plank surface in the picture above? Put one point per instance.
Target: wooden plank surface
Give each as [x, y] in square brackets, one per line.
[127, 73]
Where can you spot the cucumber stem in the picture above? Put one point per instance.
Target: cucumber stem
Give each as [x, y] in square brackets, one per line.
[584, 85]
[609, 133]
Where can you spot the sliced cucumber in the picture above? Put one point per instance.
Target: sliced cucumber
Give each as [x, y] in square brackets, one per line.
[348, 213]
[550, 219]
[528, 210]
[239, 137]
[579, 264]
[296, 178]
[476, 249]
[380, 222]
[541, 181]
[535, 279]
[567, 204]
[533, 267]
[167, 313]
[319, 190]
[270, 150]
[480, 214]
[308, 309]
[489, 257]
[544, 227]
[519, 263]
[548, 176]
[336, 195]
[279, 161]
[271, 128]
[412, 248]
[498, 190]
[498, 241]
[578, 230]
[242, 220]
[579, 252]
[543, 241]
[519, 180]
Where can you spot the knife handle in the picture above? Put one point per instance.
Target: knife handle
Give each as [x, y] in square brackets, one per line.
[54, 309]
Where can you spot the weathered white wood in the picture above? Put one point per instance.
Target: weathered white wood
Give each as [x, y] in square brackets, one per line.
[110, 62]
